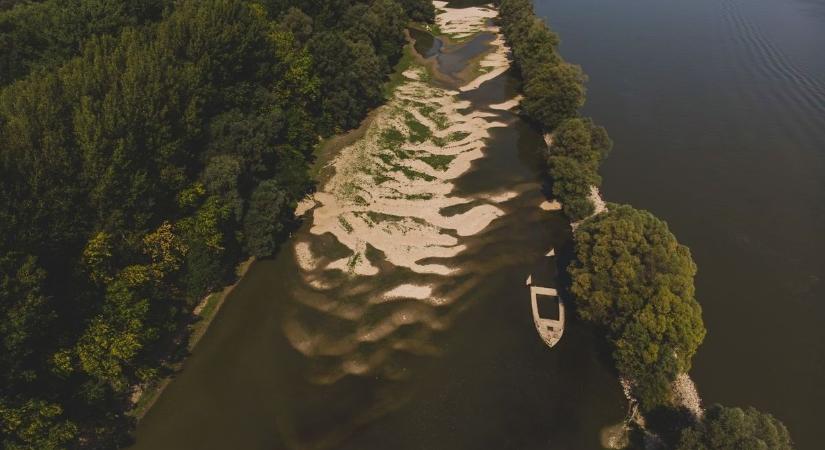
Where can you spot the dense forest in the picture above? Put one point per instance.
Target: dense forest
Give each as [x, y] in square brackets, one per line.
[146, 148]
[629, 274]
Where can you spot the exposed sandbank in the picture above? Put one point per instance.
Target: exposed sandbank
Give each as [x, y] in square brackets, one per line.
[391, 209]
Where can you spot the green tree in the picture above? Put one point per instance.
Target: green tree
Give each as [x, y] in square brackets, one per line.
[45, 34]
[419, 10]
[143, 144]
[210, 241]
[725, 428]
[35, 424]
[296, 23]
[536, 47]
[25, 317]
[631, 277]
[264, 223]
[111, 343]
[553, 93]
[572, 182]
[581, 139]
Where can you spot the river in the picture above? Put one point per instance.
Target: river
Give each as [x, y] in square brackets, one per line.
[717, 109]
[299, 359]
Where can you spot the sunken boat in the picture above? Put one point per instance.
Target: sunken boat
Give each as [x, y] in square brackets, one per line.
[548, 311]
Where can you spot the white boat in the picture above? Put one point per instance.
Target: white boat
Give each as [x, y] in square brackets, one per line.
[550, 330]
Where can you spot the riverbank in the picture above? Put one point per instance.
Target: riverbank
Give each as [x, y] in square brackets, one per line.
[143, 397]
[575, 147]
[352, 354]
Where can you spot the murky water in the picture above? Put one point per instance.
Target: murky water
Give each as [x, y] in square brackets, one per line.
[717, 108]
[425, 44]
[470, 374]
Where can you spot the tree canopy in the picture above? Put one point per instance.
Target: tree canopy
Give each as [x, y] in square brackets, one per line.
[573, 161]
[725, 428]
[146, 148]
[631, 277]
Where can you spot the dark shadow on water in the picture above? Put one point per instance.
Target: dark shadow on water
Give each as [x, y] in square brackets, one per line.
[456, 59]
[425, 43]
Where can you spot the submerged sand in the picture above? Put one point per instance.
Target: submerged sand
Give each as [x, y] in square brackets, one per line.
[390, 209]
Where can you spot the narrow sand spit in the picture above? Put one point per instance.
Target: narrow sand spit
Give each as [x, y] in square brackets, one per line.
[685, 394]
[598, 203]
[460, 23]
[509, 104]
[409, 291]
[599, 206]
[305, 206]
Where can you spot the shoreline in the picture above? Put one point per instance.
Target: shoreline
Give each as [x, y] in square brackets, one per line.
[144, 397]
[684, 393]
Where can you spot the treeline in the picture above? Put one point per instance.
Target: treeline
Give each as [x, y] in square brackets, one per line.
[629, 274]
[143, 154]
[554, 93]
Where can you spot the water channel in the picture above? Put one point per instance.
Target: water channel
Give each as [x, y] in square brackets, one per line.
[717, 110]
[470, 374]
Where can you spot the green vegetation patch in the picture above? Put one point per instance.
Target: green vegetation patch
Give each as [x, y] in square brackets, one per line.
[430, 112]
[438, 162]
[397, 76]
[633, 278]
[353, 261]
[380, 178]
[419, 197]
[418, 131]
[456, 136]
[391, 138]
[386, 159]
[414, 174]
[377, 217]
[344, 224]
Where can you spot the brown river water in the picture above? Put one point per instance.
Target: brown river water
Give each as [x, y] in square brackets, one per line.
[286, 365]
[717, 110]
